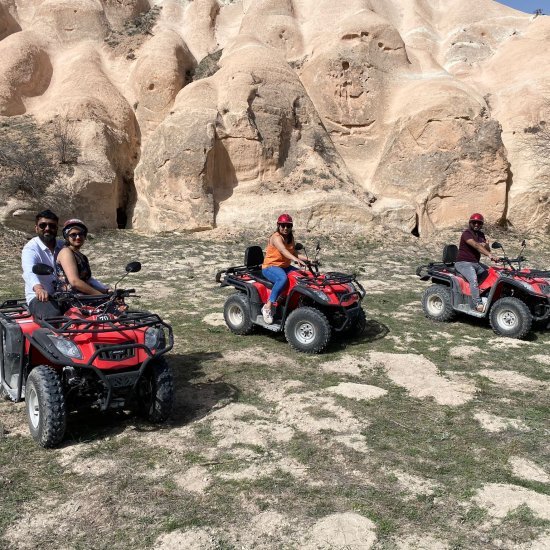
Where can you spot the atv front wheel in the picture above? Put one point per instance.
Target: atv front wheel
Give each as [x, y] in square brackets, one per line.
[236, 313]
[510, 317]
[46, 410]
[307, 330]
[358, 325]
[437, 304]
[155, 391]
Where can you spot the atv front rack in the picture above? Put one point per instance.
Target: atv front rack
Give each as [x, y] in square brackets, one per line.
[127, 321]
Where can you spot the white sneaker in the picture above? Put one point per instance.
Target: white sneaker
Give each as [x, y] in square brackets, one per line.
[267, 315]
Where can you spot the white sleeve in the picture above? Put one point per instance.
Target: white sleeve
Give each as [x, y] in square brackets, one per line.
[28, 260]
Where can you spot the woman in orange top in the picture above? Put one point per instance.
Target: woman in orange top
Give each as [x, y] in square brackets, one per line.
[278, 255]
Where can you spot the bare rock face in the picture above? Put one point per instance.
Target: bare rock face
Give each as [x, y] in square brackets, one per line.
[410, 114]
[162, 70]
[8, 24]
[260, 136]
[69, 21]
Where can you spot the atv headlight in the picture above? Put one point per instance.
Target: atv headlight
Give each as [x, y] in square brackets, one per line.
[154, 338]
[320, 294]
[67, 347]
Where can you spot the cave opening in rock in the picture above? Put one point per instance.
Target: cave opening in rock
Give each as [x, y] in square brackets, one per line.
[415, 230]
[126, 203]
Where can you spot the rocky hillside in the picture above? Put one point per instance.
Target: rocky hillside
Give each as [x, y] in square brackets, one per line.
[191, 114]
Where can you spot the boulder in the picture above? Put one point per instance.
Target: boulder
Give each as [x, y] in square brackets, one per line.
[162, 70]
[71, 21]
[25, 71]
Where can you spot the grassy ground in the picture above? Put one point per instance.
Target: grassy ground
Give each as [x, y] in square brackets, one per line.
[416, 435]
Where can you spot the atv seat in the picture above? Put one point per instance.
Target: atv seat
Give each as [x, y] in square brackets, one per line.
[253, 260]
[450, 252]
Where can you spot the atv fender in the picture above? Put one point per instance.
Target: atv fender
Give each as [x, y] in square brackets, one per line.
[12, 354]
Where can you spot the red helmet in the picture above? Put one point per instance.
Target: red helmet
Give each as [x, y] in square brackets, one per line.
[477, 218]
[284, 218]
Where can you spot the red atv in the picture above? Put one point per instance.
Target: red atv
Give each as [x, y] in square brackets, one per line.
[98, 354]
[310, 308]
[514, 297]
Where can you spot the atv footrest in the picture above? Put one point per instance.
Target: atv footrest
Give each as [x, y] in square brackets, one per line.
[465, 308]
[275, 327]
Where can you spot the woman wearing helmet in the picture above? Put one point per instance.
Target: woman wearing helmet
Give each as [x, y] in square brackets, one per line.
[73, 268]
[279, 253]
[473, 244]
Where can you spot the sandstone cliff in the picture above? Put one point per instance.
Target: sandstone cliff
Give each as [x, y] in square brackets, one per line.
[202, 113]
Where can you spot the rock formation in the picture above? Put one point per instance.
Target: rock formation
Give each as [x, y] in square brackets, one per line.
[411, 114]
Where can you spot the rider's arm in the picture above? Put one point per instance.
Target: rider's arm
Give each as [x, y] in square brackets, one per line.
[28, 260]
[483, 248]
[98, 285]
[277, 242]
[68, 263]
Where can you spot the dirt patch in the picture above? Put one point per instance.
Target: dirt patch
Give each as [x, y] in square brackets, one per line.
[214, 319]
[414, 485]
[526, 469]
[195, 480]
[499, 499]
[347, 531]
[311, 413]
[347, 364]
[65, 519]
[502, 342]
[186, 540]
[512, 379]
[265, 531]
[357, 391]
[247, 425]
[494, 423]
[420, 377]
[464, 352]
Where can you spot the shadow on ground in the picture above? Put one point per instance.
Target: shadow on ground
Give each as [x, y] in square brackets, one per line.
[192, 401]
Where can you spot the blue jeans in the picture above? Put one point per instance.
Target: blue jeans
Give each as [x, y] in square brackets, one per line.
[471, 270]
[278, 276]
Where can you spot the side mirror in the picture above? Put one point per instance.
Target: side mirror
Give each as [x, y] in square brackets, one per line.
[523, 243]
[496, 245]
[133, 267]
[298, 246]
[42, 269]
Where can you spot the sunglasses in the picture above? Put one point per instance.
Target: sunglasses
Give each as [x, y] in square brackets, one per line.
[43, 225]
[76, 235]
[477, 223]
[287, 225]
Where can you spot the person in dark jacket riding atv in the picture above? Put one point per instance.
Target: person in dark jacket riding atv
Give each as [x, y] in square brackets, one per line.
[279, 253]
[472, 245]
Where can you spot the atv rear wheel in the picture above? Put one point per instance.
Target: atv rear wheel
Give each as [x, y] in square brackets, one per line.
[155, 391]
[236, 313]
[437, 303]
[46, 409]
[510, 317]
[307, 330]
